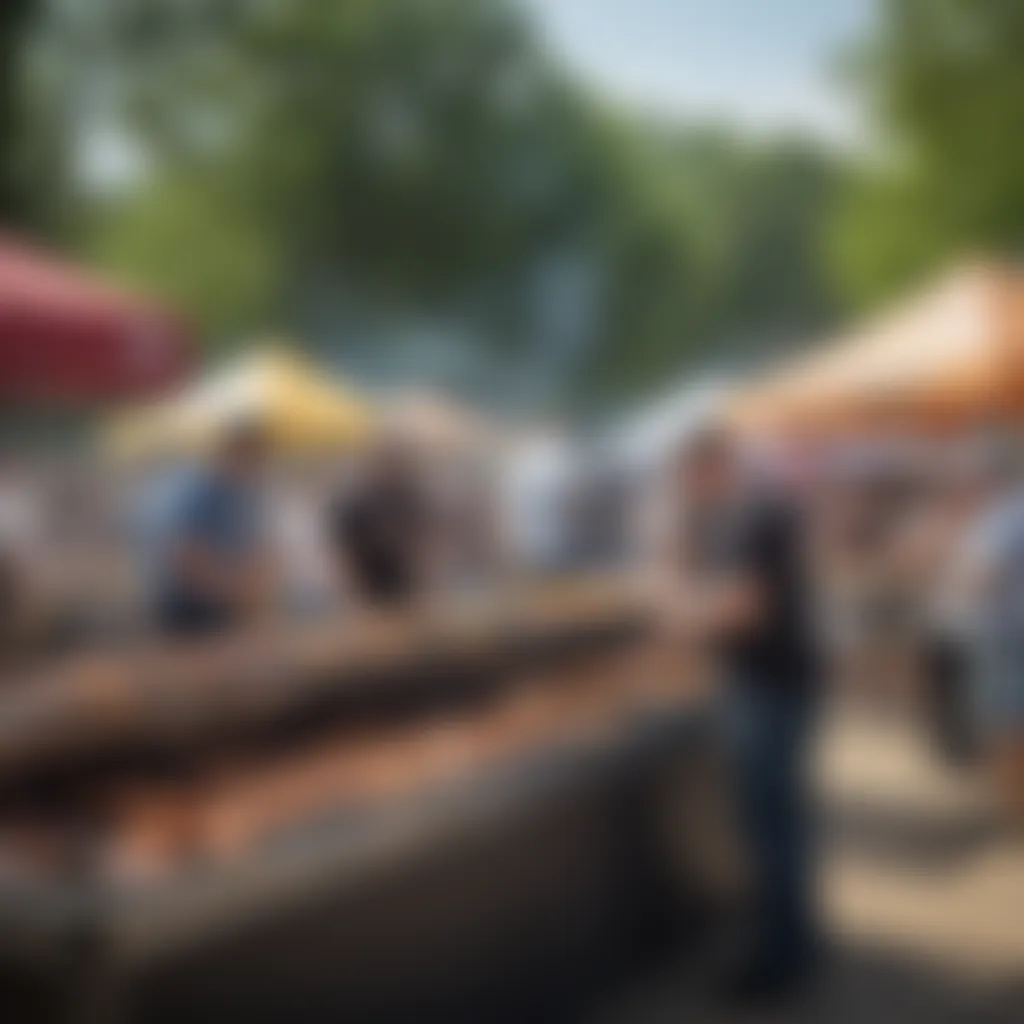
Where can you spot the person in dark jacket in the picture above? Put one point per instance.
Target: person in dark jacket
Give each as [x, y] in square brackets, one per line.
[744, 587]
[383, 528]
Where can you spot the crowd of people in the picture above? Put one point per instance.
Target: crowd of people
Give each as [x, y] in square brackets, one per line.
[894, 571]
[924, 556]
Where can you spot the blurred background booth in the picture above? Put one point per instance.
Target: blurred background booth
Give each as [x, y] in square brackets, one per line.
[66, 338]
[440, 425]
[304, 409]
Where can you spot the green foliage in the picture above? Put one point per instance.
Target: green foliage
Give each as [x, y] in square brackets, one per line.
[16, 20]
[195, 249]
[746, 222]
[946, 84]
[314, 165]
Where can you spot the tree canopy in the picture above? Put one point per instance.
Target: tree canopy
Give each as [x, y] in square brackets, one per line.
[944, 81]
[352, 171]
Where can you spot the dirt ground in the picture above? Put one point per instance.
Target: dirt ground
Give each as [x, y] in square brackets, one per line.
[924, 893]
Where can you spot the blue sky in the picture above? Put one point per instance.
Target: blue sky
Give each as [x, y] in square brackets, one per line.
[764, 63]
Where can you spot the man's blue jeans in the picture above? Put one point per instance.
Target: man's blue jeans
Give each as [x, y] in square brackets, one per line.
[770, 731]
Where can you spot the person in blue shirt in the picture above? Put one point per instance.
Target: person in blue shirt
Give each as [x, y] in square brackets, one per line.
[211, 566]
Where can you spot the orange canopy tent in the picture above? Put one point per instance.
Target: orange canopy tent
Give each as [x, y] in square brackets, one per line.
[948, 357]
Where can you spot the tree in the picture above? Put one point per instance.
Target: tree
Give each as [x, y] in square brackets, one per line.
[945, 83]
[350, 169]
[15, 23]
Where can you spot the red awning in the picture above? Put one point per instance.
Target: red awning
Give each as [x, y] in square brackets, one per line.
[67, 338]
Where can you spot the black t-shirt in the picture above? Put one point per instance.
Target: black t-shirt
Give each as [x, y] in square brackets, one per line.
[762, 539]
[379, 533]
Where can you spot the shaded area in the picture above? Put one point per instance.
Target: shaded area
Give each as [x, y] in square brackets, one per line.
[923, 888]
[864, 986]
[909, 837]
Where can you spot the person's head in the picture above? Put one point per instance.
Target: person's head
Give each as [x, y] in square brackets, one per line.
[243, 448]
[707, 466]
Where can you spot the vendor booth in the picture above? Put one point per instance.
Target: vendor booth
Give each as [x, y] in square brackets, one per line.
[951, 357]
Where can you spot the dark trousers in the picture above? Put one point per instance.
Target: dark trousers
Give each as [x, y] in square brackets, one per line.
[950, 715]
[179, 619]
[770, 735]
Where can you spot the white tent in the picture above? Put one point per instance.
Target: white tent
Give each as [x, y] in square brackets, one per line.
[648, 437]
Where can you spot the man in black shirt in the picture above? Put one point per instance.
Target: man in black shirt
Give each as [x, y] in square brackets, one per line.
[744, 588]
[382, 529]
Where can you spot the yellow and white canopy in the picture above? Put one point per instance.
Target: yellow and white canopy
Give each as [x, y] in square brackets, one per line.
[304, 410]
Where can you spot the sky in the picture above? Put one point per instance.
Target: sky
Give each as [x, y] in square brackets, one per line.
[763, 63]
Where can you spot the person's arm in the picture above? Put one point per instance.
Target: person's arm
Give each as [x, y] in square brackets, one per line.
[196, 559]
[731, 605]
[737, 600]
[262, 582]
[343, 526]
[664, 563]
[207, 572]
[433, 547]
